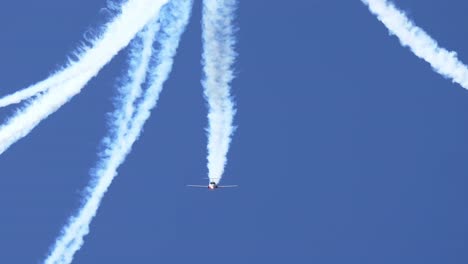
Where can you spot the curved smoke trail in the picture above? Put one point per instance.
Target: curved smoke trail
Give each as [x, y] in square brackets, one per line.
[173, 19]
[118, 33]
[420, 43]
[218, 58]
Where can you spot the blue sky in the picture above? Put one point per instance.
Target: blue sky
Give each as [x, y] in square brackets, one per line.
[349, 149]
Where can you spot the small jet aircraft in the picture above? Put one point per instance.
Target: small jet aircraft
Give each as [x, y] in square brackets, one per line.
[212, 186]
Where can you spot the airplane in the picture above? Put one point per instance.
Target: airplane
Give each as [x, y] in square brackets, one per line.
[213, 186]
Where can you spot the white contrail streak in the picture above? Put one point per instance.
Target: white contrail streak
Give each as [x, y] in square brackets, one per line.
[140, 54]
[131, 90]
[173, 20]
[118, 33]
[55, 80]
[72, 69]
[218, 59]
[421, 44]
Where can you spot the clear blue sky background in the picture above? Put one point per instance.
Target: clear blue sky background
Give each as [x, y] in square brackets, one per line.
[349, 149]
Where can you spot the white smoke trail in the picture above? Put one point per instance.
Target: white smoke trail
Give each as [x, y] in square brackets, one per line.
[140, 53]
[131, 90]
[218, 58]
[61, 77]
[118, 33]
[173, 19]
[421, 44]
[70, 71]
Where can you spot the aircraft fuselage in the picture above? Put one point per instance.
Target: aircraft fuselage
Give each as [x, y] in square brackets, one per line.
[212, 186]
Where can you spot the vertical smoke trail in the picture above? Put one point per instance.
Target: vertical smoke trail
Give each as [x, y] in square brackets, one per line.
[218, 58]
[173, 20]
[421, 44]
[134, 15]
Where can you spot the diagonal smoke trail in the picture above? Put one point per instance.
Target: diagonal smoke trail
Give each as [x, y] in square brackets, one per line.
[140, 53]
[173, 24]
[118, 33]
[59, 78]
[218, 58]
[131, 90]
[72, 69]
[173, 20]
[421, 44]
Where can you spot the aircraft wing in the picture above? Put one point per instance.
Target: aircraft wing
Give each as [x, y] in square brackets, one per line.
[198, 186]
[227, 186]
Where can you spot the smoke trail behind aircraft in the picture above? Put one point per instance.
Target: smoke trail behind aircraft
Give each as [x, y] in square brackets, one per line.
[421, 44]
[173, 19]
[118, 33]
[218, 58]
